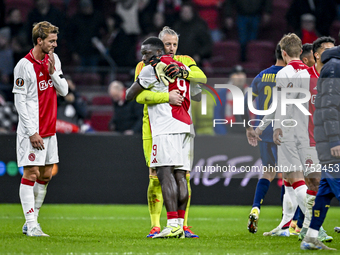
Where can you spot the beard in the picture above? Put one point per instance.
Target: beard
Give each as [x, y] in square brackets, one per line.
[46, 50]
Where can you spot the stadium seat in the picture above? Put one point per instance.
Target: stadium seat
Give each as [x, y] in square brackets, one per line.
[334, 31]
[124, 77]
[252, 69]
[25, 6]
[100, 120]
[101, 100]
[271, 34]
[86, 79]
[60, 4]
[261, 52]
[72, 8]
[283, 4]
[277, 26]
[225, 54]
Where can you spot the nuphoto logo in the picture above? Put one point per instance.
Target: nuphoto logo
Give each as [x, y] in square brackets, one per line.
[204, 96]
[238, 103]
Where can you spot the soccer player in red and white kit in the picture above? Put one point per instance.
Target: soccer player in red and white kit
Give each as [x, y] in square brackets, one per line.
[291, 48]
[304, 130]
[170, 128]
[37, 80]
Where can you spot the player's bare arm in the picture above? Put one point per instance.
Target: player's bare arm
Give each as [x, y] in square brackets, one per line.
[133, 91]
[250, 132]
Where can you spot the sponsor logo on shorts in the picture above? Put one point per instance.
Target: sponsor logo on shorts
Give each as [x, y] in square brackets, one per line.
[19, 82]
[154, 161]
[31, 156]
[309, 162]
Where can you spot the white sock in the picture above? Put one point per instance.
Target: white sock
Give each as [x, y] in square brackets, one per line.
[309, 210]
[289, 206]
[180, 222]
[27, 202]
[172, 222]
[300, 192]
[312, 233]
[39, 194]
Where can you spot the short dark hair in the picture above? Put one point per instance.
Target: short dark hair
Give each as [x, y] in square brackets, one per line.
[278, 54]
[154, 41]
[318, 42]
[306, 49]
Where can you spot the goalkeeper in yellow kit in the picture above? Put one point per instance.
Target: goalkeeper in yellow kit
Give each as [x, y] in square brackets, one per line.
[155, 198]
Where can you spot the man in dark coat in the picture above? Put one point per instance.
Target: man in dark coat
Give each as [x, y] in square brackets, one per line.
[327, 138]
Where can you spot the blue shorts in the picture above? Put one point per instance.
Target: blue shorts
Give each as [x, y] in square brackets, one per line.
[329, 186]
[268, 152]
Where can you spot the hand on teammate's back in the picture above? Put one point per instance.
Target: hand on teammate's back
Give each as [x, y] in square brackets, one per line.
[173, 71]
[154, 60]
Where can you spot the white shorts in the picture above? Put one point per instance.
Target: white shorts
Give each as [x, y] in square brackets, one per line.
[309, 160]
[288, 157]
[172, 150]
[29, 156]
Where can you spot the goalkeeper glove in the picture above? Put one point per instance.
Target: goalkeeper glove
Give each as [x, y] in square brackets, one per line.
[173, 71]
[154, 60]
[159, 70]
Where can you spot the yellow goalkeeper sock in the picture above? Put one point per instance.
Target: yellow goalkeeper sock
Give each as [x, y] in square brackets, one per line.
[155, 200]
[185, 223]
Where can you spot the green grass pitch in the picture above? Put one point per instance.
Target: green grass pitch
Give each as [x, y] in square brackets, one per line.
[122, 229]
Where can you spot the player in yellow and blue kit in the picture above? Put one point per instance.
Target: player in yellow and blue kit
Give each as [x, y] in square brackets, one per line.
[155, 198]
[262, 87]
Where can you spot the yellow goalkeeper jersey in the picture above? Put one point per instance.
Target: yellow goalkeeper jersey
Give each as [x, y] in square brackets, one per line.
[195, 73]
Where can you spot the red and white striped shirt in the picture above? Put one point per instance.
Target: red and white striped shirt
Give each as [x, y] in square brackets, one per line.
[35, 95]
[166, 118]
